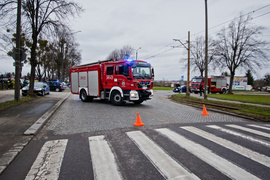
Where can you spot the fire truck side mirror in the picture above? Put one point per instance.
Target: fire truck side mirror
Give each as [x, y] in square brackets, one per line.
[153, 74]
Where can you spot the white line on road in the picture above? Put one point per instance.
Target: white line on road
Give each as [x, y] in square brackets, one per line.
[249, 130]
[48, 162]
[260, 158]
[167, 166]
[261, 127]
[103, 160]
[250, 138]
[229, 169]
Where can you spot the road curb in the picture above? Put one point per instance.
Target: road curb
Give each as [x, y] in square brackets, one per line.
[34, 129]
[220, 111]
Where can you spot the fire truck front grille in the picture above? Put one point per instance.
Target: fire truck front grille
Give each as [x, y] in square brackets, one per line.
[144, 94]
[144, 84]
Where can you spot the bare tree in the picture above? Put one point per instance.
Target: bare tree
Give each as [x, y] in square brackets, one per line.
[40, 16]
[239, 46]
[197, 49]
[115, 54]
[120, 54]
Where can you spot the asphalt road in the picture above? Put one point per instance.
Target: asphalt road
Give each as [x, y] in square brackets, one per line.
[87, 140]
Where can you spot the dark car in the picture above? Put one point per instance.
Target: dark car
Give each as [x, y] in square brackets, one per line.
[55, 86]
[40, 88]
[181, 89]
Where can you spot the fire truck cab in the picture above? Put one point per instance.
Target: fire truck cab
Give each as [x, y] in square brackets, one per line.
[116, 81]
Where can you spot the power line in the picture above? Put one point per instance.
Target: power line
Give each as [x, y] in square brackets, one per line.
[237, 18]
[158, 53]
[150, 55]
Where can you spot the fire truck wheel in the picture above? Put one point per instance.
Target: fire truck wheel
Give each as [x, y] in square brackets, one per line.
[83, 96]
[223, 91]
[116, 98]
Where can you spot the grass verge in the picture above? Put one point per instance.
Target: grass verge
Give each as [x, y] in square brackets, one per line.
[258, 113]
[8, 104]
[257, 99]
[163, 88]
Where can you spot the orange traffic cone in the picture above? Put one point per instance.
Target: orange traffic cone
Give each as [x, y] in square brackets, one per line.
[138, 120]
[204, 111]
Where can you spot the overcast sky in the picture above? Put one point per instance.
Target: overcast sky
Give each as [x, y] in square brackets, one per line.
[107, 25]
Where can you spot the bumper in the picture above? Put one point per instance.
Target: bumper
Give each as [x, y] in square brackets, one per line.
[140, 95]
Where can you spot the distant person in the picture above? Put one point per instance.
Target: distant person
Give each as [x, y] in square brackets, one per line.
[9, 83]
[13, 83]
[200, 89]
[25, 83]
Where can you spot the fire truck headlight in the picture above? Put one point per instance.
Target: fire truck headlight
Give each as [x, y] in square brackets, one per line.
[134, 95]
[152, 92]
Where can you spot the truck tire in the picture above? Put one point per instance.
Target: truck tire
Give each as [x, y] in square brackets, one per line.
[116, 98]
[223, 91]
[83, 96]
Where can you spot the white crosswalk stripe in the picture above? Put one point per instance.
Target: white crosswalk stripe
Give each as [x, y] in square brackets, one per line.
[49, 160]
[261, 127]
[223, 165]
[166, 165]
[244, 136]
[260, 158]
[249, 130]
[105, 159]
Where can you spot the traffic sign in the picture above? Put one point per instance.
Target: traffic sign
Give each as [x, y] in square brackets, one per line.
[22, 55]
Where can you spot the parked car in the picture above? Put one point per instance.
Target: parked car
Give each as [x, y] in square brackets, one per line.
[181, 89]
[40, 88]
[55, 86]
[268, 89]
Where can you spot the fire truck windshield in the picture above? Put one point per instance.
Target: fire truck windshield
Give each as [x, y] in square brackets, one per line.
[196, 80]
[141, 72]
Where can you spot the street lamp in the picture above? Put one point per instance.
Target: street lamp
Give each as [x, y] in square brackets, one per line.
[137, 52]
[206, 52]
[188, 70]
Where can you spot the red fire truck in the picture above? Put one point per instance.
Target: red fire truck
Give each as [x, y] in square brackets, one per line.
[216, 84]
[116, 81]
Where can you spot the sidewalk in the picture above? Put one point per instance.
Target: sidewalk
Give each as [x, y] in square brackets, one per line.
[6, 95]
[16, 120]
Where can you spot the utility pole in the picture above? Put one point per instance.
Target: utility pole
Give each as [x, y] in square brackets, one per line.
[206, 52]
[188, 73]
[18, 54]
[187, 93]
[137, 53]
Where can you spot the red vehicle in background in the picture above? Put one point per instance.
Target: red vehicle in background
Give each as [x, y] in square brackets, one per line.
[116, 81]
[216, 84]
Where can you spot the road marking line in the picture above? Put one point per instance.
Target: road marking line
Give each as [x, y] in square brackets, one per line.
[250, 138]
[103, 159]
[166, 165]
[249, 130]
[260, 158]
[49, 160]
[219, 163]
[262, 127]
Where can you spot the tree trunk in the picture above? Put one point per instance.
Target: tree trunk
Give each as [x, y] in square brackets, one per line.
[33, 64]
[231, 82]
